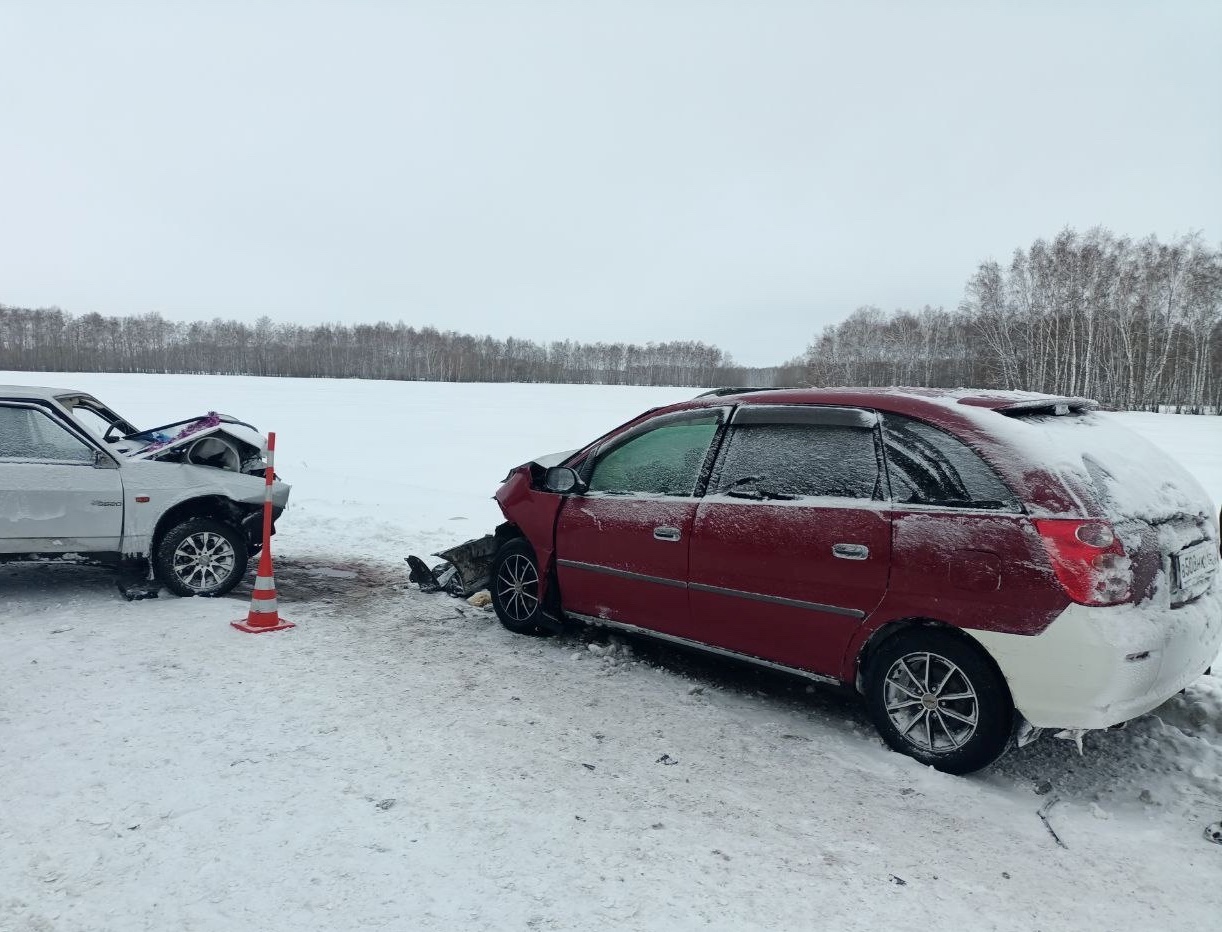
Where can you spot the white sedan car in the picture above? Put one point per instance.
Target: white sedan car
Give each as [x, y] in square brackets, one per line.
[179, 504]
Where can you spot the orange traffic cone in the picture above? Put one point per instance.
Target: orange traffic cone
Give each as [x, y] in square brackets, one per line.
[264, 614]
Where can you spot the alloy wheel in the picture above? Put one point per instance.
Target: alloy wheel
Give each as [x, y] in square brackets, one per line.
[517, 586]
[204, 560]
[931, 702]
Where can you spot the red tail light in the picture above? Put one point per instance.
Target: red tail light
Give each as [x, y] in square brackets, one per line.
[1089, 560]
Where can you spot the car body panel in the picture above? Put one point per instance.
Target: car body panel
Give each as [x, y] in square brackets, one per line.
[1098, 667]
[765, 579]
[534, 512]
[168, 485]
[60, 508]
[611, 565]
[963, 561]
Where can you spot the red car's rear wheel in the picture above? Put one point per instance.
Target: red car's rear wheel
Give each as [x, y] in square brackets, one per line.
[936, 697]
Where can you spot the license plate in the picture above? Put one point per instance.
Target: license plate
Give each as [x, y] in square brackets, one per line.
[1195, 564]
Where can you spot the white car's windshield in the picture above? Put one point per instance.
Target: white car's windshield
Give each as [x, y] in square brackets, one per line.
[93, 416]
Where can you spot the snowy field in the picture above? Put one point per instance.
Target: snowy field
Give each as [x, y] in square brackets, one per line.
[400, 762]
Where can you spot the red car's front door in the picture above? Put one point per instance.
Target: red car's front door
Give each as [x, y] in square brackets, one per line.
[791, 548]
[625, 559]
[622, 546]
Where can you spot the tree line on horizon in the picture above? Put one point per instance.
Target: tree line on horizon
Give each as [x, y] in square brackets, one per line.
[50, 339]
[1136, 324]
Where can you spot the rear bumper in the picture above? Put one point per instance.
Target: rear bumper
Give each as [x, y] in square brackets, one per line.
[1097, 667]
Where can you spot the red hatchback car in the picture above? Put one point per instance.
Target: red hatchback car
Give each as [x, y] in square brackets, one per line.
[979, 565]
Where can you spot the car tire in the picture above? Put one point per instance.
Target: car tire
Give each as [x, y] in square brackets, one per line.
[514, 587]
[938, 698]
[201, 556]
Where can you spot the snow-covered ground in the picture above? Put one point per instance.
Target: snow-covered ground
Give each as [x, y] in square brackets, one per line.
[399, 761]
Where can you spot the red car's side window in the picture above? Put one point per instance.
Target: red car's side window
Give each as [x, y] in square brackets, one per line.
[785, 461]
[927, 466]
[664, 461]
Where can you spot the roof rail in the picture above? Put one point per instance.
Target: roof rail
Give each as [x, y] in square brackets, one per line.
[731, 390]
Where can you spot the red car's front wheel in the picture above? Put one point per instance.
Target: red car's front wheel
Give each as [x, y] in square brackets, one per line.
[515, 588]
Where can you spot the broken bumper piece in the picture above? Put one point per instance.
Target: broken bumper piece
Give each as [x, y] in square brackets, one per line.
[466, 570]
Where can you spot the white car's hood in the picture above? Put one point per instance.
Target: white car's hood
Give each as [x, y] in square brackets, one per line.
[160, 444]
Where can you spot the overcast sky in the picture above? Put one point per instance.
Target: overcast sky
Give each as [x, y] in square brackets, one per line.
[735, 172]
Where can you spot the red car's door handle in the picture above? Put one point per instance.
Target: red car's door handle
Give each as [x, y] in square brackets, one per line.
[666, 533]
[851, 551]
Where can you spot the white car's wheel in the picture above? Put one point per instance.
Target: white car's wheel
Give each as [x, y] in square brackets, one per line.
[201, 556]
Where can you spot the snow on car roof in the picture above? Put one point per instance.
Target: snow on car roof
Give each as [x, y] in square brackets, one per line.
[36, 392]
[992, 399]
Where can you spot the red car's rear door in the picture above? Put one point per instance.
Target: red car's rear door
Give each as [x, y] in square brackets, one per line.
[622, 546]
[791, 546]
[963, 548]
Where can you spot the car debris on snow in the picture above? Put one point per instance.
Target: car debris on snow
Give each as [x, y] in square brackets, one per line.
[464, 572]
[1075, 735]
[1043, 814]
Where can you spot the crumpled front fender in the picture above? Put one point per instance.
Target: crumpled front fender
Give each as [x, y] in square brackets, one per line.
[534, 513]
[152, 488]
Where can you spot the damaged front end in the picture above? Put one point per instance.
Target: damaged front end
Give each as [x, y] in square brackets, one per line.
[212, 439]
[467, 568]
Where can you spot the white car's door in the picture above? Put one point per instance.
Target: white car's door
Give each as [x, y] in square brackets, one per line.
[58, 494]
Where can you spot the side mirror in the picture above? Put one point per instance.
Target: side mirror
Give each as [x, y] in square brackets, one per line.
[562, 480]
[102, 461]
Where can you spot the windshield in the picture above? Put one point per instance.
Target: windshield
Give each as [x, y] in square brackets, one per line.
[94, 416]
